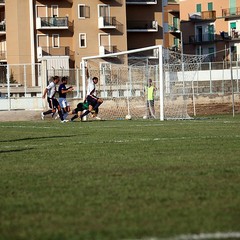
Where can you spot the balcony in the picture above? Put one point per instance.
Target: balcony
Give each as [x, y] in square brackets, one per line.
[205, 16]
[107, 23]
[107, 50]
[231, 12]
[141, 2]
[150, 54]
[50, 51]
[142, 26]
[52, 23]
[2, 2]
[233, 36]
[112, 1]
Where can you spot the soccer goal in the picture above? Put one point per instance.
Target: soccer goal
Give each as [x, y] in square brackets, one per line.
[124, 81]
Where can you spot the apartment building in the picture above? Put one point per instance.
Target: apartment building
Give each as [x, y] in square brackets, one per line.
[63, 31]
[171, 26]
[211, 27]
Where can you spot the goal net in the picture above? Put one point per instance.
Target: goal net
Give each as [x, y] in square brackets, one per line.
[150, 82]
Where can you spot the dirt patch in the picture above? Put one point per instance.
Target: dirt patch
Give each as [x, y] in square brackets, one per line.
[212, 109]
[19, 115]
[200, 109]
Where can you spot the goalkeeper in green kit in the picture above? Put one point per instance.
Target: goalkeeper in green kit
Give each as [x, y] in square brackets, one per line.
[79, 110]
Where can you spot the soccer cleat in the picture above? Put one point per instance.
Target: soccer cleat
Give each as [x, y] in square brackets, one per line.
[42, 116]
[98, 118]
[57, 117]
[63, 121]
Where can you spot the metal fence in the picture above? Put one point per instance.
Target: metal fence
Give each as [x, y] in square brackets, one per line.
[21, 86]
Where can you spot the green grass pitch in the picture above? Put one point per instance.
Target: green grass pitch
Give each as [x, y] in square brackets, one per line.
[137, 179]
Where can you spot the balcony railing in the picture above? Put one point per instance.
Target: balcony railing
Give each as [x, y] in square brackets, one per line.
[203, 16]
[231, 12]
[50, 51]
[141, 2]
[113, 1]
[142, 26]
[107, 23]
[203, 38]
[52, 22]
[107, 50]
[152, 54]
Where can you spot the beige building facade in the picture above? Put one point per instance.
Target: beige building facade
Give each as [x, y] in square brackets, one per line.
[211, 27]
[64, 31]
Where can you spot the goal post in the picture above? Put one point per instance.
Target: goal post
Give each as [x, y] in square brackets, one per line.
[124, 77]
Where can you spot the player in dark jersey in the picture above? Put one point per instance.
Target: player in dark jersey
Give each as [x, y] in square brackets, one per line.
[62, 91]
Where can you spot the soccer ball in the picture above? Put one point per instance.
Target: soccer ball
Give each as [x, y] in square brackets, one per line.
[145, 117]
[128, 117]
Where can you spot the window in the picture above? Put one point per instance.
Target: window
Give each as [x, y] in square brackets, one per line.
[55, 38]
[233, 25]
[82, 40]
[83, 11]
[210, 6]
[199, 7]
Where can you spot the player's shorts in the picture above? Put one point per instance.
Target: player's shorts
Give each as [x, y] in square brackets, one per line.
[63, 102]
[52, 103]
[92, 100]
[150, 103]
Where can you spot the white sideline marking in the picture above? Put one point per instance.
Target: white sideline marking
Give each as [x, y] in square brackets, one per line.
[27, 127]
[201, 236]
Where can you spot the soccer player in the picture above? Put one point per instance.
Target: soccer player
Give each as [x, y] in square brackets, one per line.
[62, 91]
[79, 110]
[93, 101]
[150, 89]
[53, 103]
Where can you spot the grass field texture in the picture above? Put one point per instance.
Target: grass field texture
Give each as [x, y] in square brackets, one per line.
[142, 179]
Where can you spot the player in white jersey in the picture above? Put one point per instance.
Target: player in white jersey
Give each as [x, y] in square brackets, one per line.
[93, 101]
[53, 103]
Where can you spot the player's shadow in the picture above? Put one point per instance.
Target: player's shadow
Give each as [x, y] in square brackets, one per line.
[38, 138]
[15, 150]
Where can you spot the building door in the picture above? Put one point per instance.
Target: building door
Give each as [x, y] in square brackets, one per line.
[210, 32]
[104, 43]
[54, 10]
[42, 45]
[104, 11]
[199, 36]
